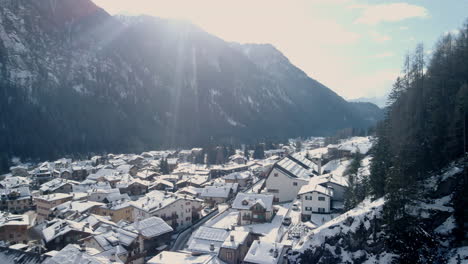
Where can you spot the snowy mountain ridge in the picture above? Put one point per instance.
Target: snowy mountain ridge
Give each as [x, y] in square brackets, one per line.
[146, 82]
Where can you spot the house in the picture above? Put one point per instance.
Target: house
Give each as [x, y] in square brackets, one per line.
[78, 173]
[96, 221]
[147, 175]
[45, 203]
[15, 200]
[44, 173]
[235, 247]
[288, 176]
[238, 159]
[172, 163]
[63, 232]
[177, 210]
[216, 194]
[133, 186]
[161, 185]
[78, 254]
[253, 208]
[315, 198]
[57, 185]
[183, 257]
[14, 256]
[207, 240]
[14, 182]
[225, 170]
[265, 252]
[20, 170]
[117, 244]
[189, 190]
[74, 209]
[242, 178]
[14, 228]
[90, 186]
[118, 210]
[100, 195]
[127, 169]
[154, 232]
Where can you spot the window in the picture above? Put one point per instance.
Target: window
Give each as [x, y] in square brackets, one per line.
[308, 197]
[294, 183]
[308, 208]
[229, 255]
[272, 191]
[275, 174]
[321, 210]
[321, 198]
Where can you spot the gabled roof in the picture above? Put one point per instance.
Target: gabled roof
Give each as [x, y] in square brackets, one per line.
[152, 227]
[316, 188]
[238, 175]
[13, 256]
[72, 254]
[245, 201]
[293, 168]
[264, 252]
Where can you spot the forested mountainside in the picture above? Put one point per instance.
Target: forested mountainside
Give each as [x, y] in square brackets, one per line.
[76, 80]
[418, 178]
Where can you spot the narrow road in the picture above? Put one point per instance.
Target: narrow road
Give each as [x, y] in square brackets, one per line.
[184, 236]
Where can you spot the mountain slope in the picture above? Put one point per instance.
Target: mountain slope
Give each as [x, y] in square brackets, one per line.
[75, 79]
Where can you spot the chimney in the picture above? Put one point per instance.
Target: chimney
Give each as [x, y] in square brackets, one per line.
[212, 248]
[83, 247]
[233, 227]
[232, 238]
[276, 253]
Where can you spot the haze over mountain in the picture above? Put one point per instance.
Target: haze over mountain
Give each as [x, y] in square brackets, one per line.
[75, 80]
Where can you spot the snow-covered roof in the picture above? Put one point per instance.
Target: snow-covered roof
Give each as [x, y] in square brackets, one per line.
[22, 192]
[72, 254]
[7, 219]
[264, 252]
[293, 168]
[61, 227]
[15, 181]
[76, 206]
[245, 201]
[207, 239]
[238, 175]
[54, 184]
[170, 257]
[152, 227]
[156, 200]
[54, 196]
[217, 191]
[235, 239]
[315, 188]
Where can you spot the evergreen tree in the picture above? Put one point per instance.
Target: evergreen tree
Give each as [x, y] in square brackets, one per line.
[164, 166]
[259, 152]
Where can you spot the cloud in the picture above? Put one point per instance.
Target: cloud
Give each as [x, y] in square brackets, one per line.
[394, 12]
[379, 38]
[387, 54]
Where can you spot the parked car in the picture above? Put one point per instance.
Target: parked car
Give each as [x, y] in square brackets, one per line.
[295, 207]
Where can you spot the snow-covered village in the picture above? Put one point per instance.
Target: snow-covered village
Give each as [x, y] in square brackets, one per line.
[162, 207]
[233, 132]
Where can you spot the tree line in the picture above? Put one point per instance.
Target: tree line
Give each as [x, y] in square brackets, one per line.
[424, 129]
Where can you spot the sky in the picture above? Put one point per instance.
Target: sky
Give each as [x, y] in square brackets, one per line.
[355, 47]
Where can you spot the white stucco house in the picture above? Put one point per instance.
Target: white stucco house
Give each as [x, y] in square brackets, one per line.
[288, 176]
[315, 198]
